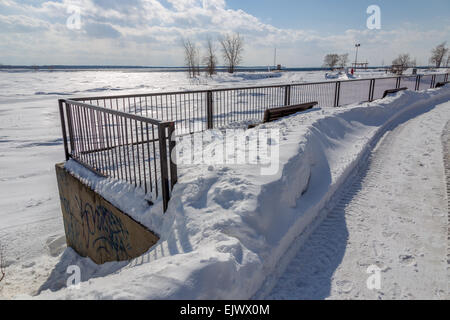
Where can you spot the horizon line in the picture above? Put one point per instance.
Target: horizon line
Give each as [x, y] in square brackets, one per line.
[182, 67]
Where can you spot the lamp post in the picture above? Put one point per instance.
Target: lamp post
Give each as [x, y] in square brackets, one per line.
[356, 59]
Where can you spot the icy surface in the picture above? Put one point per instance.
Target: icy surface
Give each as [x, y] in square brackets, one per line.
[228, 229]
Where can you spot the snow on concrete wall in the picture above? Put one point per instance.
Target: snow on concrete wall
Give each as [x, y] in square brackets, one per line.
[95, 228]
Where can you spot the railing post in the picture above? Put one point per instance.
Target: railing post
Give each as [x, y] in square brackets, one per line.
[337, 94]
[63, 127]
[446, 77]
[433, 81]
[172, 155]
[371, 88]
[287, 95]
[70, 124]
[209, 109]
[397, 85]
[164, 167]
[418, 82]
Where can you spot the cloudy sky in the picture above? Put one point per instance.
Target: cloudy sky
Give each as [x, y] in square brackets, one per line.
[149, 32]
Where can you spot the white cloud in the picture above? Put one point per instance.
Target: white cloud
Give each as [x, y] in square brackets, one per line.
[129, 32]
[22, 24]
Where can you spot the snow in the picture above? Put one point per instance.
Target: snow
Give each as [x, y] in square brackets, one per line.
[23, 86]
[31, 229]
[392, 215]
[228, 230]
[342, 76]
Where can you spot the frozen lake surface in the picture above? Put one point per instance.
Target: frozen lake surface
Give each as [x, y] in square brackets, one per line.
[31, 227]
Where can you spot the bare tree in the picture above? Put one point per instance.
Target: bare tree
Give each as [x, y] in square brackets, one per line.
[2, 264]
[447, 64]
[210, 58]
[343, 60]
[403, 62]
[331, 60]
[197, 63]
[438, 54]
[191, 58]
[232, 49]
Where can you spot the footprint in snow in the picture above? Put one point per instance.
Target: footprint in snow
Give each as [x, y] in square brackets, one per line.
[344, 286]
[407, 260]
[28, 265]
[395, 291]
[56, 245]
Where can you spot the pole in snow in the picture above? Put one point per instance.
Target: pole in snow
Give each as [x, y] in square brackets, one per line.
[356, 59]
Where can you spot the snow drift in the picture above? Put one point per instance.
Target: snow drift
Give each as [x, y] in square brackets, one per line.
[229, 232]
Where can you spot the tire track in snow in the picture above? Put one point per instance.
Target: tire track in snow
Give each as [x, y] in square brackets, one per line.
[446, 148]
[390, 216]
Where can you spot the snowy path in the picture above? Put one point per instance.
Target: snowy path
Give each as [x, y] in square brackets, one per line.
[393, 214]
[31, 226]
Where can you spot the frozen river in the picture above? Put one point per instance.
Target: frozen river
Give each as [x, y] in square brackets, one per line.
[31, 227]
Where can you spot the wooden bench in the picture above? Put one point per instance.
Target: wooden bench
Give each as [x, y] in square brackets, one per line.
[391, 91]
[441, 84]
[278, 113]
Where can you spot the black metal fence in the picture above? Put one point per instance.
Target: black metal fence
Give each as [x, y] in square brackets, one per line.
[121, 145]
[128, 137]
[196, 111]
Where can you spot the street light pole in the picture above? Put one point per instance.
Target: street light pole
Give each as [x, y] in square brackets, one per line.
[356, 59]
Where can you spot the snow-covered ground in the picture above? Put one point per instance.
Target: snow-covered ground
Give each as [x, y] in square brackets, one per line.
[16, 86]
[224, 234]
[229, 231]
[31, 227]
[392, 215]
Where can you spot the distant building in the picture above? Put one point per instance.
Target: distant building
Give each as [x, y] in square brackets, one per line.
[360, 65]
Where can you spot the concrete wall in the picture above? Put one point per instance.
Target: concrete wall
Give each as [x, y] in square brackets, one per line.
[95, 228]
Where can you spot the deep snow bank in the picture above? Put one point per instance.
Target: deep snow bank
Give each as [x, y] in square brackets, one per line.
[228, 231]
[392, 214]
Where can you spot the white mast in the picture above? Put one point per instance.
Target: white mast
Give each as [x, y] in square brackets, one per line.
[275, 59]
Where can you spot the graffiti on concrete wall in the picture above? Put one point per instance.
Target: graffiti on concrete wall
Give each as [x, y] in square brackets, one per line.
[95, 228]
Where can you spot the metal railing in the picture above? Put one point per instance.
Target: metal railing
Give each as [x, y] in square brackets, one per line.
[128, 137]
[121, 145]
[196, 111]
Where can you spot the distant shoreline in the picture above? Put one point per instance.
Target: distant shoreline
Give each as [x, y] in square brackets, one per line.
[144, 68]
[158, 69]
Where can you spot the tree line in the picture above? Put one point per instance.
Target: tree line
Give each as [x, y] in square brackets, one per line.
[333, 59]
[440, 57]
[231, 46]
